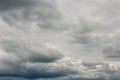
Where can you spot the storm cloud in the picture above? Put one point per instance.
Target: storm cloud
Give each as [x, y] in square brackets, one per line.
[24, 13]
[13, 4]
[59, 40]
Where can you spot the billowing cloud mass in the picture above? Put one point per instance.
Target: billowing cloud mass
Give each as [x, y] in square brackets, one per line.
[31, 53]
[25, 13]
[111, 50]
[12, 4]
[59, 40]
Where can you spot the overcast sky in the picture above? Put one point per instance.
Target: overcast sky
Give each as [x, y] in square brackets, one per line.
[59, 40]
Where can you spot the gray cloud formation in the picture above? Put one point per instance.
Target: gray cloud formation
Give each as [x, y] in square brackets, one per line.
[99, 71]
[37, 13]
[24, 53]
[88, 36]
[13, 66]
[18, 4]
[83, 32]
[111, 50]
[67, 68]
[30, 52]
[13, 4]
[29, 60]
[93, 39]
[11, 78]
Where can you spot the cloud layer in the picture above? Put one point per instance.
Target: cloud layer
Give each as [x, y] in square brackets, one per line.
[59, 40]
[25, 13]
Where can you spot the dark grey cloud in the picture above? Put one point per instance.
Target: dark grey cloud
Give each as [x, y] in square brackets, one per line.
[25, 55]
[18, 4]
[21, 59]
[33, 73]
[67, 68]
[31, 52]
[91, 64]
[101, 71]
[38, 13]
[89, 37]
[89, 79]
[85, 32]
[11, 78]
[92, 40]
[13, 4]
[111, 71]
[111, 50]
[27, 70]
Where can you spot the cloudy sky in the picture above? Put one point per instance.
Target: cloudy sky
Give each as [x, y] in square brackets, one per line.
[59, 40]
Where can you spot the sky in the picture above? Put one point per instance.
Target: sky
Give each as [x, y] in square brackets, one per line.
[59, 40]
